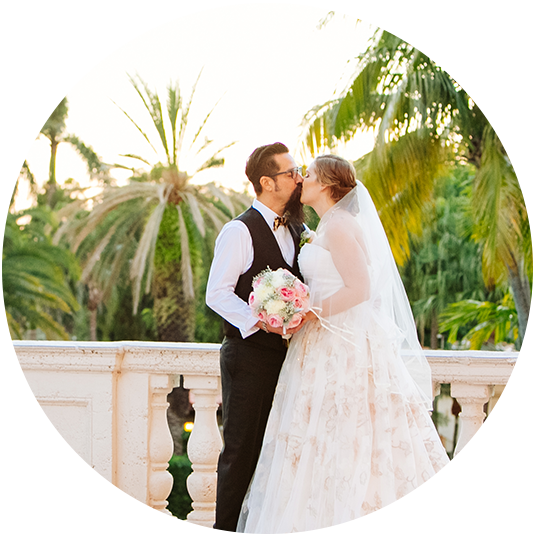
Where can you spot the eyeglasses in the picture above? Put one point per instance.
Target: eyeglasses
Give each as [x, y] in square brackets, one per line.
[294, 172]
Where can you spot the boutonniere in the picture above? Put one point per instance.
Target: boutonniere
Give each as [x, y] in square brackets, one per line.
[306, 237]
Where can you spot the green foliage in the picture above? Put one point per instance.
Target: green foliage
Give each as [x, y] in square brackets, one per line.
[423, 121]
[446, 263]
[35, 277]
[486, 319]
[96, 168]
[179, 500]
[311, 218]
[55, 124]
[168, 245]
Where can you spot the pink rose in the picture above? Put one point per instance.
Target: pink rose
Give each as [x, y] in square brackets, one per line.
[287, 294]
[301, 303]
[295, 321]
[275, 320]
[301, 289]
[251, 299]
[262, 315]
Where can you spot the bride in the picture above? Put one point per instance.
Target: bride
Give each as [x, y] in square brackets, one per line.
[349, 431]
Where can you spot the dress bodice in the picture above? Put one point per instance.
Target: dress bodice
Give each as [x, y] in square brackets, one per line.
[319, 271]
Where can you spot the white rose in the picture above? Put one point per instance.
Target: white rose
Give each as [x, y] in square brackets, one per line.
[261, 293]
[275, 307]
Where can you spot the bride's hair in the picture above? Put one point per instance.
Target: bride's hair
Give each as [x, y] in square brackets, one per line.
[337, 173]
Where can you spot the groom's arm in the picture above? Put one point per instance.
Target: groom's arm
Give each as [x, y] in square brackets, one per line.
[233, 256]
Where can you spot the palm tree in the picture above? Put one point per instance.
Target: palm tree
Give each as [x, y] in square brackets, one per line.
[26, 176]
[493, 320]
[423, 121]
[156, 222]
[445, 263]
[54, 130]
[35, 276]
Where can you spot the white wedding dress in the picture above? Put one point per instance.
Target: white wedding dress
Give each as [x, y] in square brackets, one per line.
[348, 432]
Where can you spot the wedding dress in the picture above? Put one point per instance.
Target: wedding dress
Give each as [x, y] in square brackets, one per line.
[349, 431]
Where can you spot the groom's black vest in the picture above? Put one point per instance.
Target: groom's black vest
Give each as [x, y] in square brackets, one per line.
[266, 253]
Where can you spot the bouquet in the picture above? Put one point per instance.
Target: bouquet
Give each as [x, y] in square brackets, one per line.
[278, 297]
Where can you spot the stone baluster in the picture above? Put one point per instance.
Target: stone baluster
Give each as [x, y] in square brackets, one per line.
[471, 470]
[160, 480]
[203, 448]
[471, 399]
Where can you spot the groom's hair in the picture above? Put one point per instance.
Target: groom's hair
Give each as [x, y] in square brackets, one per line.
[261, 163]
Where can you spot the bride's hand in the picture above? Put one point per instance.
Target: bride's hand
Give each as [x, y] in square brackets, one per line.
[308, 316]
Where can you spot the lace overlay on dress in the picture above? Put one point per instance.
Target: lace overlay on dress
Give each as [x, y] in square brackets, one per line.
[348, 432]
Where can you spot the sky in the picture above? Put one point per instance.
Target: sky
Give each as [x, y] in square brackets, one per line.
[262, 69]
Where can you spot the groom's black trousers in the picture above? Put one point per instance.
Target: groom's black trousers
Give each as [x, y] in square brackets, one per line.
[249, 374]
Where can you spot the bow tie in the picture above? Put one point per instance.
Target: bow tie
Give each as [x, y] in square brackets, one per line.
[280, 221]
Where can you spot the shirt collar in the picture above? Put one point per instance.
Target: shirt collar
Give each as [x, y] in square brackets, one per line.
[265, 211]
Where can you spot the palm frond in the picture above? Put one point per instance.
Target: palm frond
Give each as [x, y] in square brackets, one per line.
[214, 160]
[95, 256]
[136, 125]
[95, 166]
[222, 196]
[109, 270]
[154, 107]
[495, 319]
[184, 116]
[497, 200]
[401, 179]
[195, 211]
[15, 328]
[203, 123]
[113, 198]
[173, 107]
[186, 263]
[132, 156]
[145, 248]
[215, 215]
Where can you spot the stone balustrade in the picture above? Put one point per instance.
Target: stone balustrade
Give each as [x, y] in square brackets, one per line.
[108, 400]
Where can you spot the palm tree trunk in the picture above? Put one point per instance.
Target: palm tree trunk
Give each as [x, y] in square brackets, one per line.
[174, 314]
[51, 185]
[422, 329]
[521, 290]
[93, 325]
[434, 330]
[95, 298]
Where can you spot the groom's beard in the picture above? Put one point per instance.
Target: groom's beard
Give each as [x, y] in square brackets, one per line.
[294, 208]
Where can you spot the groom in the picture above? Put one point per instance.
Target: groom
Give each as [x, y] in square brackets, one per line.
[252, 353]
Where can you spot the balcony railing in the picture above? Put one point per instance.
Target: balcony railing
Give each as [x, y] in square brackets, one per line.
[109, 401]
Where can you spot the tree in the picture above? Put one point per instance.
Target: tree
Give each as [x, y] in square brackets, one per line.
[487, 320]
[54, 130]
[445, 263]
[35, 276]
[157, 222]
[27, 176]
[423, 121]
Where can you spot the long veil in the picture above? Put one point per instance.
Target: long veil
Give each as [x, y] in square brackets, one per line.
[388, 306]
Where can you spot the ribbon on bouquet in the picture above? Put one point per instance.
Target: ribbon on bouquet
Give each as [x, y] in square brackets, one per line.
[339, 331]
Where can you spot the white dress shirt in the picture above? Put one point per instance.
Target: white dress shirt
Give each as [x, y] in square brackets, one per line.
[233, 256]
